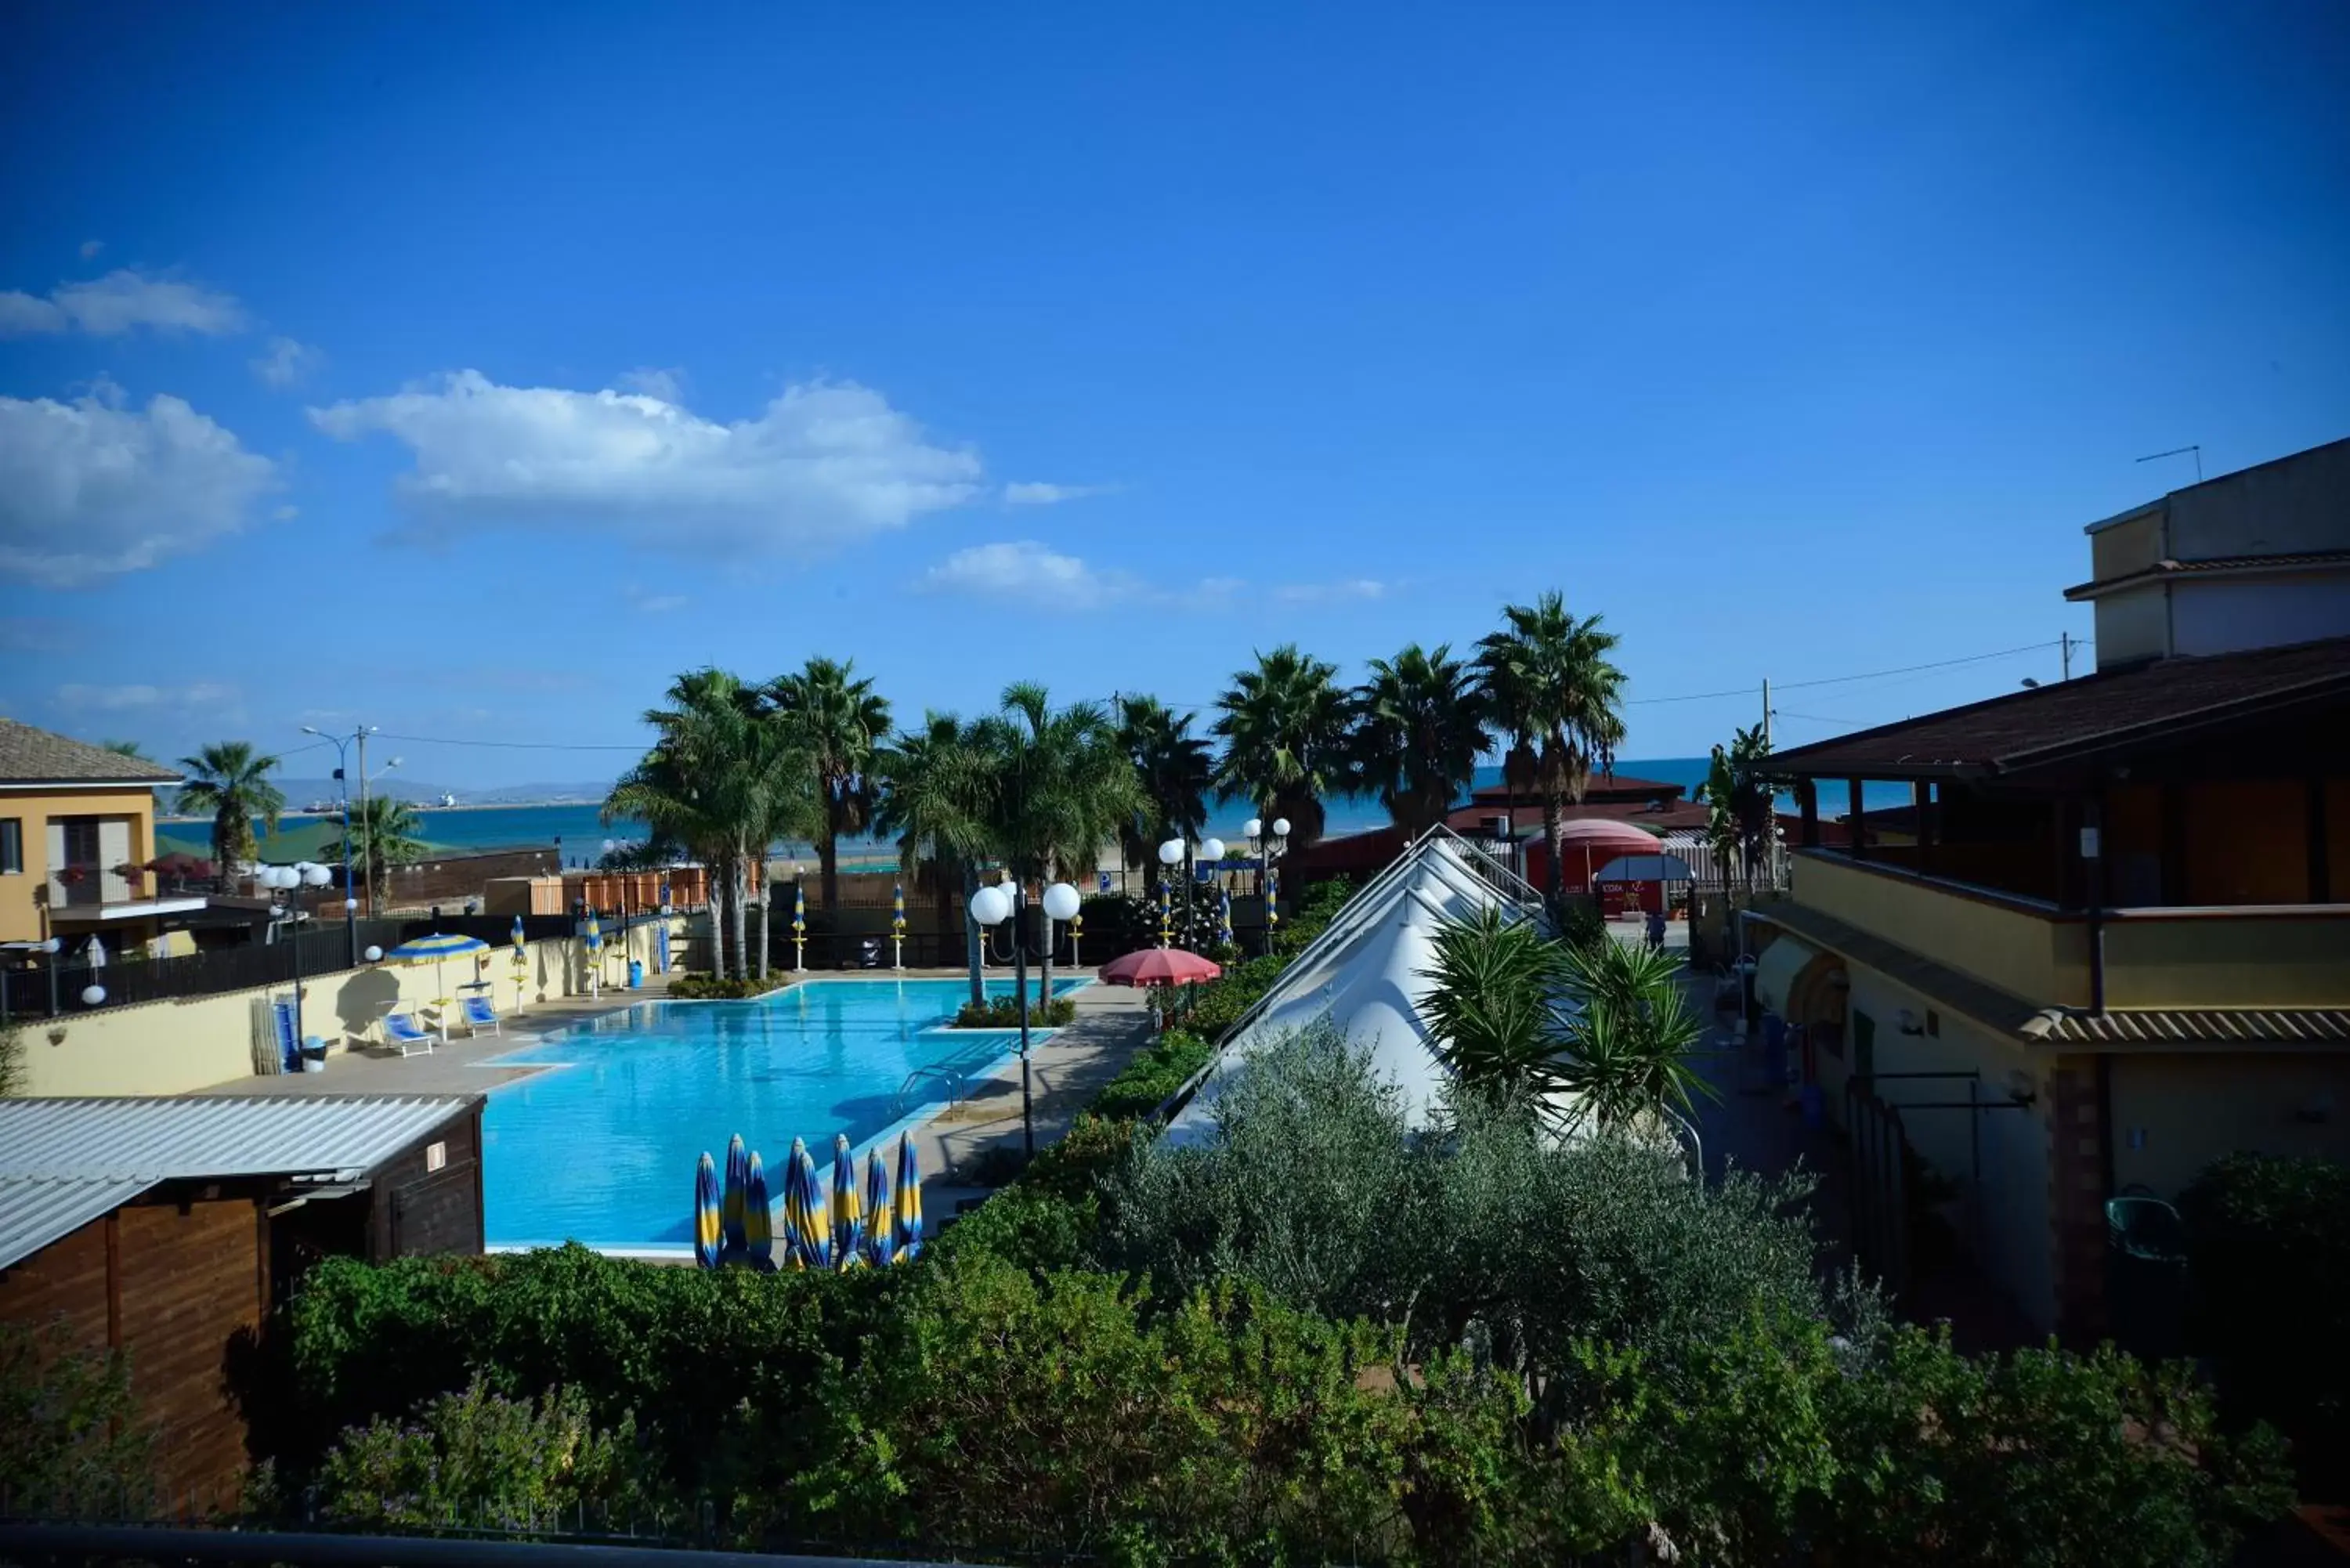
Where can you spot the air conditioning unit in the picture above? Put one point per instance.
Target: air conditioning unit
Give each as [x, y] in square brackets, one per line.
[1497, 826]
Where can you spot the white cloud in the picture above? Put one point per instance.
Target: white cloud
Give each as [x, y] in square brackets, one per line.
[824, 462]
[287, 362]
[646, 602]
[131, 699]
[1332, 593]
[1025, 569]
[652, 381]
[1035, 493]
[88, 490]
[122, 300]
[90, 248]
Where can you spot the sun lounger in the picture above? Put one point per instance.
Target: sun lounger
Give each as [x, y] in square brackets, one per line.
[404, 1034]
[479, 1014]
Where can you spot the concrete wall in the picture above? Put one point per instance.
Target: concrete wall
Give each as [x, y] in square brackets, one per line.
[2174, 1114]
[2133, 545]
[2296, 503]
[171, 1047]
[2223, 614]
[2023, 953]
[2230, 960]
[20, 922]
[2007, 1214]
[2133, 625]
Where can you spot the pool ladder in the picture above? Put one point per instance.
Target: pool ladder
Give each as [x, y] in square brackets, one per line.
[952, 1079]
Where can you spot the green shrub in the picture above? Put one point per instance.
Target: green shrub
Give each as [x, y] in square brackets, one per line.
[2268, 1249]
[1003, 1012]
[699, 985]
[72, 1440]
[475, 1459]
[1143, 1085]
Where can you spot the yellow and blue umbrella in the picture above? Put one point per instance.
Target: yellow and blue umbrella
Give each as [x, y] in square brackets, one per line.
[799, 906]
[879, 1229]
[758, 1219]
[907, 1209]
[517, 936]
[705, 1213]
[796, 1220]
[1224, 917]
[847, 1213]
[816, 1214]
[738, 1177]
[898, 908]
[434, 949]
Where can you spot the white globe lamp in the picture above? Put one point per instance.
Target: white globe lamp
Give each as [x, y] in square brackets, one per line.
[92, 995]
[990, 906]
[316, 876]
[1281, 827]
[1252, 829]
[374, 955]
[1212, 849]
[1061, 901]
[1171, 852]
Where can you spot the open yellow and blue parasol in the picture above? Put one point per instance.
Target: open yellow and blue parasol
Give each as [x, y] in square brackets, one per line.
[738, 1176]
[905, 1209]
[705, 1213]
[847, 1213]
[880, 1231]
[758, 1219]
[434, 950]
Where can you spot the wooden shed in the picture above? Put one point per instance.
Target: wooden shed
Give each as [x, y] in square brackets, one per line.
[167, 1229]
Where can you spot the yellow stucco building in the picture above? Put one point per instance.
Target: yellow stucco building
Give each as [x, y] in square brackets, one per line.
[2114, 945]
[76, 831]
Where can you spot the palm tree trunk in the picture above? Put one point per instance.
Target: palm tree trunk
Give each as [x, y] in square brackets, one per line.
[828, 860]
[1553, 880]
[767, 898]
[742, 919]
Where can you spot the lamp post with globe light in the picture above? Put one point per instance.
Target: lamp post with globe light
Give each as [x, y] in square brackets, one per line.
[1170, 854]
[288, 880]
[992, 906]
[342, 781]
[1267, 850]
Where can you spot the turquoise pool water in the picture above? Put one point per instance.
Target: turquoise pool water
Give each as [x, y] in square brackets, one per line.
[602, 1149]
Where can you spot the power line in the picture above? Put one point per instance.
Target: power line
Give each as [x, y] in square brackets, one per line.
[513, 745]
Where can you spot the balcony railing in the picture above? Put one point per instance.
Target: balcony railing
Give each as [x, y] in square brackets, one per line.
[2255, 956]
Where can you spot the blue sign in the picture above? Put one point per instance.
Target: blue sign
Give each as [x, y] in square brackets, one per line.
[1104, 881]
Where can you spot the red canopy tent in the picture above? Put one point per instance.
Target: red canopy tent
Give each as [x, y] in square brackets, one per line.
[1586, 844]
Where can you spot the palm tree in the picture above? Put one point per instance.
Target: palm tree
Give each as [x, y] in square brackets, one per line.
[1058, 785]
[1626, 1051]
[383, 834]
[722, 783]
[1284, 726]
[231, 780]
[1176, 770]
[937, 782]
[1419, 731]
[132, 749]
[1560, 699]
[841, 723]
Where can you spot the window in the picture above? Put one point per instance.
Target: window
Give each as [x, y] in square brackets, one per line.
[12, 846]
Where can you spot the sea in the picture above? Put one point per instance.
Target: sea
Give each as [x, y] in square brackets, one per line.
[579, 831]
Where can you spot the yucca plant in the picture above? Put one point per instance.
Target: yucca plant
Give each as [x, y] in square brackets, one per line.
[1628, 1047]
[1493, 1010]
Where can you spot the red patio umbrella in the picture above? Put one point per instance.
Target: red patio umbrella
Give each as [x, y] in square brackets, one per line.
[1159, 966]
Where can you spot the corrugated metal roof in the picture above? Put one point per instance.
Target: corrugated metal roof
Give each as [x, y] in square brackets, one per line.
[160, 1140]
[37, 1210]
[63, 1162]
[2194, 1026]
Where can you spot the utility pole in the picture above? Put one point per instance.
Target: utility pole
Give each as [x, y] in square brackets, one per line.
[2065, 642]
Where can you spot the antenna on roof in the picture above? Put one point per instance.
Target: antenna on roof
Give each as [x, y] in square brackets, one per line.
[2180, 452]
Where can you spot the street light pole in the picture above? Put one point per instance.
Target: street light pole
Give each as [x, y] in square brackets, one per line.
[990, 907]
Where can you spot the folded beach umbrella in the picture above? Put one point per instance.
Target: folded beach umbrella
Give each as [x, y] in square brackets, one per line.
[796, 1217]
[879, 1230]
[847, 1213]
[816, 1214]
[907, 1209]
[705, 1213]
[1224, 917]
[738, 1175]
[758, 1219]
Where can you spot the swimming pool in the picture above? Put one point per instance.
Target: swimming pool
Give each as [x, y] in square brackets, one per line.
[602, 1148]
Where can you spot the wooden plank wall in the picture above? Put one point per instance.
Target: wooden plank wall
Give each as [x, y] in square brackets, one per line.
[420, 1210]
[186, 1280]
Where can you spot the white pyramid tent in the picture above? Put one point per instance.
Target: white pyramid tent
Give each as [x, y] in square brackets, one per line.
[1364, 972]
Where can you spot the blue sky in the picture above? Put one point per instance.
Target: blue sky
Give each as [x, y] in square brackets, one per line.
[471, 370]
